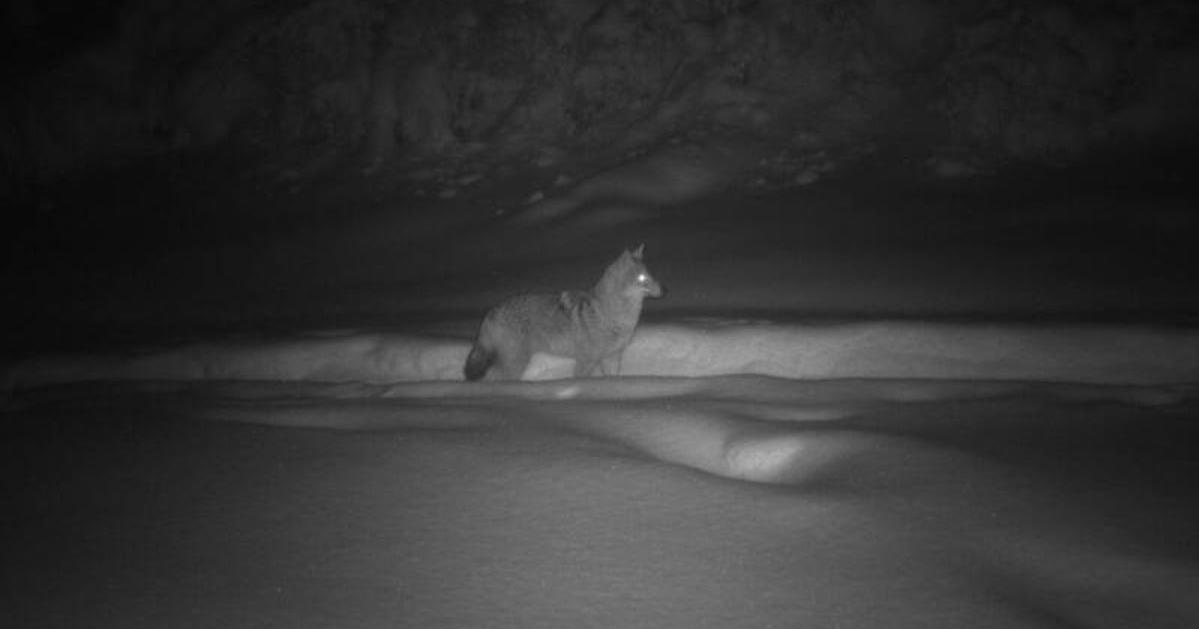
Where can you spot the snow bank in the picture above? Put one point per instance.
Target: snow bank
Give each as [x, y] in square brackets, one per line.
[1087, 354]
[1097, 354]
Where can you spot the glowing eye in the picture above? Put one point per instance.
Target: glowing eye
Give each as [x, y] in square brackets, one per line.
[642, 278]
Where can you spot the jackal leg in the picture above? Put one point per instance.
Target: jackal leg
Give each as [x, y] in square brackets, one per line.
[587, 366]
[610, 365]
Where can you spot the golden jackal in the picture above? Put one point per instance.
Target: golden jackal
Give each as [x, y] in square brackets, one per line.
[592, 327]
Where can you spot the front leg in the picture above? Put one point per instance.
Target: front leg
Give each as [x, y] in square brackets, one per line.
[586, 366]
[610, 365]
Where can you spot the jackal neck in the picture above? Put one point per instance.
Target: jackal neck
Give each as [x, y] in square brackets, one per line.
[617, 295]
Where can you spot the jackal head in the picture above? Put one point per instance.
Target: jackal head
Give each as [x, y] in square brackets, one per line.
[638, 274]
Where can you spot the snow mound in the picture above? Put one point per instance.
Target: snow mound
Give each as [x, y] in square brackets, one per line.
[749, 428]
[709, 501]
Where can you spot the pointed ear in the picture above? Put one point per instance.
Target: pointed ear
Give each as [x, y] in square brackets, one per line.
[639, 251]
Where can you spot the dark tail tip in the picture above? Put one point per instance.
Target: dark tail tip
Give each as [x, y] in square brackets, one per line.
[478, 362]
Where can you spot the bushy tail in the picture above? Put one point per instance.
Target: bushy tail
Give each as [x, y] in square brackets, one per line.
[478, 362]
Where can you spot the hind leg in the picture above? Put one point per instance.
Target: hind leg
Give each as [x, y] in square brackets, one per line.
[511, 363]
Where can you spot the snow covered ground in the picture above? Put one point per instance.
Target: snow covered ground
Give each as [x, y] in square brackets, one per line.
[860, 404]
